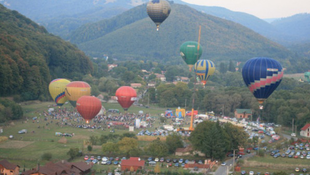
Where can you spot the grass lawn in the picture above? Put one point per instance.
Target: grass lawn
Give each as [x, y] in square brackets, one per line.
[27, 149]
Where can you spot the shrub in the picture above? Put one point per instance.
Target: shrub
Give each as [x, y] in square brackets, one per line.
[89, 148]
[47, 156]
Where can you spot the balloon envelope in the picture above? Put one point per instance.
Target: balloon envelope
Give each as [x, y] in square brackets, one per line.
[88, 107]
[57, 90]
[126, 96]
[190, 53]
[75, 90]
[204, 69]
[262, 76]
[158, 11]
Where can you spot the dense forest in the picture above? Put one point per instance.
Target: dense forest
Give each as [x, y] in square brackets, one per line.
[30, 57]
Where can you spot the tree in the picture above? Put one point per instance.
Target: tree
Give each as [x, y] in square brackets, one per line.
[174, 141]
[73, 152]
[157, 148]
[89, 148]
[110, 147]
[127, 144]
[231, 67]
[223, 68]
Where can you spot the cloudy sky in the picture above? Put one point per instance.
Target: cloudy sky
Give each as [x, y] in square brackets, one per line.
[260, 8]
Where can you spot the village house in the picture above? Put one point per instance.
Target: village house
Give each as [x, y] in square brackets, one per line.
[151, 85]
[135, 85]
[111, 66]
[243, 113]
[134, 163]
[8, 168]
[161, 77]
[59, 168]
[305, 131]
[188, 151]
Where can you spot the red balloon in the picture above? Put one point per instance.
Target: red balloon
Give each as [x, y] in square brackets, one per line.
[126, 96]
[88, 107]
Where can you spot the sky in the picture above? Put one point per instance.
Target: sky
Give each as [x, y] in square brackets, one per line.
[260, 8]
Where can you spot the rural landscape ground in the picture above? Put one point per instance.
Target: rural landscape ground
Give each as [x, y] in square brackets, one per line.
[26, 149]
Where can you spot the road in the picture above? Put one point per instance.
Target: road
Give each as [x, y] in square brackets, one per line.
[222, 169]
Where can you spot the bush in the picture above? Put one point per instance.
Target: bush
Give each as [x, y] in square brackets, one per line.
[89, 148]
[47, 156]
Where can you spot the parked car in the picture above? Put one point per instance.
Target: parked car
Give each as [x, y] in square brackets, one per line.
[156, 159]
[223, 163]
[85, 157]
[168, 160]
[243, 172]
[304, 170]
[162, 159]
[23, 131]
[150, 159]
[196, 168]
[105, 159]
[115, 162]
[296, 169]
[251, 173]
[92, 158]
[200, 162]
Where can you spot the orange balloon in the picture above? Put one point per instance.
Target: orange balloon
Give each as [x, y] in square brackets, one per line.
[88, 107]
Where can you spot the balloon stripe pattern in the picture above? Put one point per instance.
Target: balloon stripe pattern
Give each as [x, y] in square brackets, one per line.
[57, 90]
[204, 69]
[262, 76]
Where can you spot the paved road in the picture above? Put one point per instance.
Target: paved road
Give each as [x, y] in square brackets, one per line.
[223, 169]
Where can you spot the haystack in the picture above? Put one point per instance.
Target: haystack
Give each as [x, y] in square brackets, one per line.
[63, 140]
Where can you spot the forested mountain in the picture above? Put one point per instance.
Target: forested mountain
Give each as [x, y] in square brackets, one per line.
[297, 27]
[137, 38]
[62, 17]
[30, 57]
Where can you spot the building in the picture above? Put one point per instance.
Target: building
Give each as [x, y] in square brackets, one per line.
[187, 151]
[133, 162]
[305, 131]
[135, 85]
[61, 168]
[243, 113]
[111, 66]
[8, 168]
[161, 77]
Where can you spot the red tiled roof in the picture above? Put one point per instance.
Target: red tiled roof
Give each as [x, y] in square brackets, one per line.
[7, 165]
[133, 161]
[305, 127]
[196, 165]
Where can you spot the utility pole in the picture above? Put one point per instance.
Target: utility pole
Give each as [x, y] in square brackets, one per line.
[233, 162]
[292, 125]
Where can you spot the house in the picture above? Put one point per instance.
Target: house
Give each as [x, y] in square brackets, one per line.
[151, 85]
[133, 162]
[8, 168]
[161, 77]
[61, 168]
[135, 85]
[111, 66]
[305, 131]
[187, 151]
[208, 164]
[243, 113]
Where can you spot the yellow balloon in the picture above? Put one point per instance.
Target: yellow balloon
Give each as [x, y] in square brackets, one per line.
[77, 89]
[204, 69]
[57, 90]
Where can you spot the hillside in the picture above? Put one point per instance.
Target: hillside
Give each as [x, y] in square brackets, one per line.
[30, 57]
[221, 40]
[297, 27]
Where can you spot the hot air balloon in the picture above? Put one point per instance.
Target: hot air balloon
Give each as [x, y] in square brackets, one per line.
[262, 76]
[190, 52]
[204, 69]
[88, 107]
[57, 90]
[158, 11]
[75, 90]
[126, 96]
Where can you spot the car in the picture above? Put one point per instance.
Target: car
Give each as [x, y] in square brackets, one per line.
[304, 170]
[301, 156]
[162, 159]
[23, 131]
[98, 157]
[123, 158]
[293, 135]
[115, 162]
[109, 162]
[175, 160]
[267, 173]
[183, 164]
[290, 156]
[156, 159]
[295, 156]
[92, 158]
[86, 157]
[95, 161]
[243, 172]
[117, 158]
[283, 155]
[11, 137]
[296, 169]
[111, 158]
[181, 161]
[176, 164]
[88, 161]
[104, 159]
[223, 163]
[251, 173]
[150, 159]
[308, 156]
[168, 160]
[103, 162]
[196, 168]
